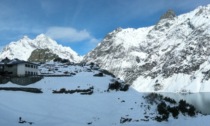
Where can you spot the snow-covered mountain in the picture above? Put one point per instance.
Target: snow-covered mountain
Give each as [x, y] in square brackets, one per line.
[172, 55]
[23, 48]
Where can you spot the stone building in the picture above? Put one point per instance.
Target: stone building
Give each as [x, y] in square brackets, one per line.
[18, 67]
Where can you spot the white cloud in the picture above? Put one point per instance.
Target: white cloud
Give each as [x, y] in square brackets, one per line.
[69, 34]
[94, 40]
[89, 45]
[93, 43]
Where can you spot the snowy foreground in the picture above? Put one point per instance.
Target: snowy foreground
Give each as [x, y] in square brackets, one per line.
[102, 108]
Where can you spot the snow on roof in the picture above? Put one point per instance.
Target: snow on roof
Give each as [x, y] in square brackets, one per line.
[14, 62]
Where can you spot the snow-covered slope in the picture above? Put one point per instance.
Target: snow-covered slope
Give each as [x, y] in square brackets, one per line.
[172, 55]
[22, 48]
[120, 50]
[102, 108]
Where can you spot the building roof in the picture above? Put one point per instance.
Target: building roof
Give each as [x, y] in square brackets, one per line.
[14, 62]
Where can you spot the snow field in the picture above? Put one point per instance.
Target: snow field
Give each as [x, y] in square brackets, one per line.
[100, 108]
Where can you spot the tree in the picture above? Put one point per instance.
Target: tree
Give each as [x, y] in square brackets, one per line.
[174, 111]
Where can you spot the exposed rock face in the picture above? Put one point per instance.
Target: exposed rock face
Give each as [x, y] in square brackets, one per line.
[173, 54]
[42, 55]
[170, 14]
[119, 51]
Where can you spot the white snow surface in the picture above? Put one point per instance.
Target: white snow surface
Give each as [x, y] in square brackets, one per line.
[23, 48]
[174, 53]
[100, 109]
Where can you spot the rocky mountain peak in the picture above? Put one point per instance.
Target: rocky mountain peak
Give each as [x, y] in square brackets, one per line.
[24, 40]
[23, 48]
[170, 14]
[43, 38]
[43, 41]
[25, 37]
[169, 56]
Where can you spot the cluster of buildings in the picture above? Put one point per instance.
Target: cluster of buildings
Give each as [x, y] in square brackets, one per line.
[17, 67]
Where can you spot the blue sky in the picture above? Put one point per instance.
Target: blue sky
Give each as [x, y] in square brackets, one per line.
[81, 24]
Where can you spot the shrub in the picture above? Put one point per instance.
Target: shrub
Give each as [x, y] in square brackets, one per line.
[174, 111]
[191, 111]
[162, 110]
[62, 90]
[123, 120]
[57, 60]
[124, 88]
[99, 75]
[158, 118]
[170, 100]
[106, 72]
[187, 108]
[91, 65]
[114, 86]
[88, 91]
[183, 106]
[65, 61]
[66, 72]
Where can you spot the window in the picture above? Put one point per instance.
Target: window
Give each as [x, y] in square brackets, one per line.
[26, 72]
[27, 65]
[9, 65]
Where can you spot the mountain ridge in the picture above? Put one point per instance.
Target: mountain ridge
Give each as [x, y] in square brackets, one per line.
[23, 48]
[172, 55]
[147, 58]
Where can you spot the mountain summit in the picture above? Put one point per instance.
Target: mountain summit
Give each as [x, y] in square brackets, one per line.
[172, 55]
[23, 48]
[170, 14]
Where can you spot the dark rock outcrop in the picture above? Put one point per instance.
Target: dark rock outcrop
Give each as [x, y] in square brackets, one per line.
[42, 55]
[170, 14]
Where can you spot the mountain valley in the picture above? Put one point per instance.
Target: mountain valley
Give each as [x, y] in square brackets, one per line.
[156, 75]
